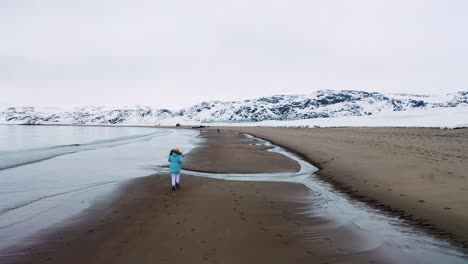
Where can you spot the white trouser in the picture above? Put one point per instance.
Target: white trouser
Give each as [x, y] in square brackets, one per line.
[175, 178]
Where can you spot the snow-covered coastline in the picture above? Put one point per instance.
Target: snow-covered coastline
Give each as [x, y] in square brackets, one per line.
[456, 117]
[325, 108]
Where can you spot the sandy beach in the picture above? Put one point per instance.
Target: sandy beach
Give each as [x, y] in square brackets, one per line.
[230, 153]
[420, 171]
[219, 221]
[209, 221]
[206, 221]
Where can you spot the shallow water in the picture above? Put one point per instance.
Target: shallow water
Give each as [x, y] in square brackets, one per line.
[377, 230]
[53, 179]
[37, 145]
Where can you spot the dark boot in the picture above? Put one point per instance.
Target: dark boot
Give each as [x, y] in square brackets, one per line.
[177, 185]
[173, 187]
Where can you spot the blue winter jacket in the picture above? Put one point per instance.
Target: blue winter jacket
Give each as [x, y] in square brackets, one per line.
[176, 162]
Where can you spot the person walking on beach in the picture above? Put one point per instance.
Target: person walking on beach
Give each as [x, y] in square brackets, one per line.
[175, 159]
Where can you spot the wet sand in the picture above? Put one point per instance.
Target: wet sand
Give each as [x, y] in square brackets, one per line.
[231, 153]
[420, 171]
[206, 221]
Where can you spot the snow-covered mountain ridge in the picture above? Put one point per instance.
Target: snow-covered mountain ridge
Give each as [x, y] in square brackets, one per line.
[320, 104]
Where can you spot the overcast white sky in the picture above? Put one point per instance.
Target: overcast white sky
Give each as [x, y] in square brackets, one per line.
[179, 52]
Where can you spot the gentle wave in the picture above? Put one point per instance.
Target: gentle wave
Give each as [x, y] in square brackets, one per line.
[28, 202]
[12, 159]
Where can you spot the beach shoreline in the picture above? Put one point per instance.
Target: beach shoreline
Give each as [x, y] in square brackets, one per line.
[348, 169]
[128, 226]
[207, 221]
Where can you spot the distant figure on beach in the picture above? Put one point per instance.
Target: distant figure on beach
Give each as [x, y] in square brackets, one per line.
[218, 131]
[175, 159]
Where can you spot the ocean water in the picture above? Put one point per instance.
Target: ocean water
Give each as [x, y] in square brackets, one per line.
[50, 173]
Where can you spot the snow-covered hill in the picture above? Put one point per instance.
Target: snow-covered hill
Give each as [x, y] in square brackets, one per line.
[442, 117]
[321, 104]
